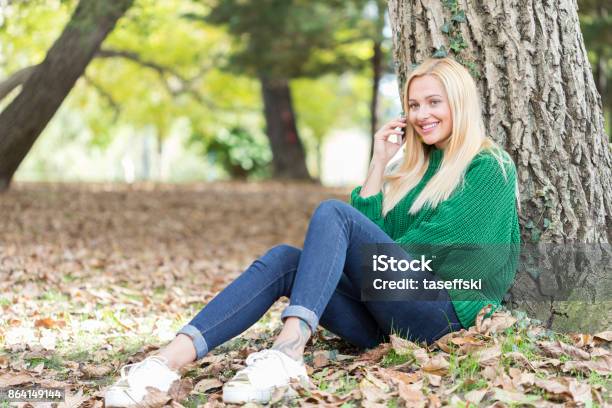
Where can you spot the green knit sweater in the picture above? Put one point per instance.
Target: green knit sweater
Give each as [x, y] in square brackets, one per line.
[481, 213]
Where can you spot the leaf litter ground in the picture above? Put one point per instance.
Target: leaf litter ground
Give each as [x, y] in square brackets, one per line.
[95, 276]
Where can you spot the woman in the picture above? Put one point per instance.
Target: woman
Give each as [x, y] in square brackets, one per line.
[453, 186]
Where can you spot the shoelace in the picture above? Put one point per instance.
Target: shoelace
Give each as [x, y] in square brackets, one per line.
[130, 369]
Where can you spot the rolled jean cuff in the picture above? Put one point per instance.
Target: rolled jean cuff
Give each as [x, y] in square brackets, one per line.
[301, 312]
[198, 340]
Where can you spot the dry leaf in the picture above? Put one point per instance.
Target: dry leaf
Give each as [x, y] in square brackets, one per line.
[154, 399]
[96, 371]
[402, 346]
[475, 396]
[180, 389]
[206, 384]
[558, 349]
[11, 379]
[73, 400]
[605, 336]
[49, 323]
[436, 365]
[489, 355]
[320, 359]
[412, 394]
[376, 354]
[516, 398]
[602, 366]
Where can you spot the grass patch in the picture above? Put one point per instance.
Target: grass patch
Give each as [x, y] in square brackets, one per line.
[393, 358]
[466, 371]
[53, 362]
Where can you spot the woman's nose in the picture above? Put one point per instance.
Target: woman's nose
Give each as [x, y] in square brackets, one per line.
[423, 113]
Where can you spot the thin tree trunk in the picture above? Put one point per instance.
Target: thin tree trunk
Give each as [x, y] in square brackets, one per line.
[288, 156]
[45, 89]
[541, 104]
[376, 63]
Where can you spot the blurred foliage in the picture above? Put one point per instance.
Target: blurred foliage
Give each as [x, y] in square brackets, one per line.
[169, 68]
[292, 38]
[596, 27]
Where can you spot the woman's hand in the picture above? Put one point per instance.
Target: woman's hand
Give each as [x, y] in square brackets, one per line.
[384, 149]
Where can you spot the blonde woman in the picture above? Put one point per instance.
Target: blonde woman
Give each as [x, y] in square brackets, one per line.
[453, 186]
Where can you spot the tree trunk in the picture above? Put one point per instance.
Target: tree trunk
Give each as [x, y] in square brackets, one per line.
[288, 156]
[541, 104]
[51, 81]
[377, 68]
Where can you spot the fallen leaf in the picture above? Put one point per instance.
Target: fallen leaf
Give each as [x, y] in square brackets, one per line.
[154, 399]
[180, 389]
[436, 365]
[558, 349]
[49, 323]
[402, 346]
[605, 336]
[320, 359]
[96, 371]
[11, 379]
[475, 396]
[489, 355]
[515, 398]
[73, 400]
[206, 384]
[412, 394]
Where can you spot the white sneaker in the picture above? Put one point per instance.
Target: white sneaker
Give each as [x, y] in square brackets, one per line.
[265, 371]
[135, 378]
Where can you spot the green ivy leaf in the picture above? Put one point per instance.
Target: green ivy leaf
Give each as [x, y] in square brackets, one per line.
[440, 53]
[446, 28]
[459, 17]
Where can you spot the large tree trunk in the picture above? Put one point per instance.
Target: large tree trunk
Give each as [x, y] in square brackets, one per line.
[51, 81]
[288, 156]
[541, 104]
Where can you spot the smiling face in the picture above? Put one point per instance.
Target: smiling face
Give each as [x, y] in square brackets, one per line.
[429, 112]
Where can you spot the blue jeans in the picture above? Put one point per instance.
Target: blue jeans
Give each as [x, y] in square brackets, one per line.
[323, 283]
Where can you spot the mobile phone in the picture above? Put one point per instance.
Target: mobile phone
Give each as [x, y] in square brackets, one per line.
[403, 130]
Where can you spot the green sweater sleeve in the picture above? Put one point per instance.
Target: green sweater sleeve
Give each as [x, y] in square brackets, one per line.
[370, 206]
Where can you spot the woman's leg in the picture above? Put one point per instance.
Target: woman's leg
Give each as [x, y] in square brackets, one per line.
[237, 307]
[334, 244]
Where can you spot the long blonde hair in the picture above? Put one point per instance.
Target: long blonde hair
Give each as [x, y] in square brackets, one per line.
[467, 139]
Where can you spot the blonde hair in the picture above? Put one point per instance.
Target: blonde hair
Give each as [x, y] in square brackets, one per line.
[467, 139]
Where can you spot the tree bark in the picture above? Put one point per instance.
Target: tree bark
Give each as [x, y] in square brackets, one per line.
[47, 86]
[288, 156]
[541, 104]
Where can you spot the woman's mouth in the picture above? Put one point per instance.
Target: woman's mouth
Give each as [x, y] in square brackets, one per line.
[429, 127]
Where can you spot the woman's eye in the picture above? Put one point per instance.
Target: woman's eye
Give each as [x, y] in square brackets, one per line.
[434, 103]
[413, 106]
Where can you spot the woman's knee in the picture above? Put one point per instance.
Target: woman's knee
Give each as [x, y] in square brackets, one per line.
[286, 255]
[331, 208]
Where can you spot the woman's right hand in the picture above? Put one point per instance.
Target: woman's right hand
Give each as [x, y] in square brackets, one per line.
[384, 150]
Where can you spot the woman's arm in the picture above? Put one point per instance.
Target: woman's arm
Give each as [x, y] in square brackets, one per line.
[383, 151]
[368, 197]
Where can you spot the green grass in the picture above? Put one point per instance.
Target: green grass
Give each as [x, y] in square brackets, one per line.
[392, 358]
[54, 296]
[53, 362]
[466, 371]
[347, 384]
[4, 301]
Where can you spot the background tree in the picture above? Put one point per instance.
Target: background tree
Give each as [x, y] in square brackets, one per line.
[541, 104]
[279, 40]
[596, 24]
[22, 121]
